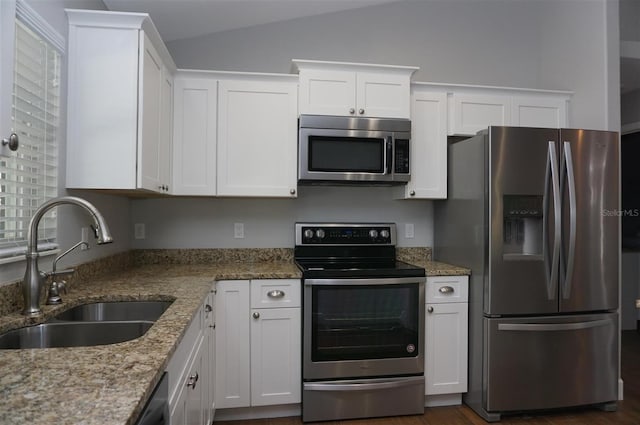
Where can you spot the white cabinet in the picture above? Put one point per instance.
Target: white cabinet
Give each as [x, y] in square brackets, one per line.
[189, 373]
[542, 110]
[257, 138]
[209, 358]
[335, 88]
[446, 328]
[258, 343]
[119, 102]
[233, 380]
[428, 161]
[474, 112]
[473, 109]
[195, 126]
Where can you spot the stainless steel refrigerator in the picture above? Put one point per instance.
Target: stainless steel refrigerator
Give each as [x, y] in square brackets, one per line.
[534, 213]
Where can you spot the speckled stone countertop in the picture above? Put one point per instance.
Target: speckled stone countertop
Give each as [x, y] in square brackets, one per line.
[110, 384]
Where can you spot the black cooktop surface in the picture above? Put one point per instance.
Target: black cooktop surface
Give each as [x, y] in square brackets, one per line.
[332, 268]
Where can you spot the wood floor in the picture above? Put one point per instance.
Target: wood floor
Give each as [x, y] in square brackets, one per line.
[628, 412]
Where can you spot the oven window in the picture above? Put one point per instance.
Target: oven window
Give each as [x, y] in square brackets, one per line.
[355, 322]
[346, 154]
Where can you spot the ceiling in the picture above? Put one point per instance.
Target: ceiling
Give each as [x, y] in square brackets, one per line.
[178, 19]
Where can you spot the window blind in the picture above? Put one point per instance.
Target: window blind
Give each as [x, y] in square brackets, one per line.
[30, 177]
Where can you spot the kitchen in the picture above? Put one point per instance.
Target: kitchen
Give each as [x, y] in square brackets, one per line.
[460, 42]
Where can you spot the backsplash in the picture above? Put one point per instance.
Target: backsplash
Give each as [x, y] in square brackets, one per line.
[11, 294]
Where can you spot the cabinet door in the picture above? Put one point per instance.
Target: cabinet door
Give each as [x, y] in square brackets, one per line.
[446, 348]
[149, 110]
[539, 111]
[275, 356]
[195, 402]
[178, 414]
[382, 95]
[428, 159]
[166, 131]
[257, 138]
[194, 149]
[232, 380]
[327, 92]
[474, 112]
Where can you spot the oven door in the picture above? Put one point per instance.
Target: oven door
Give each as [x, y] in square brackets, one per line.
[345, 155]
[363, 327]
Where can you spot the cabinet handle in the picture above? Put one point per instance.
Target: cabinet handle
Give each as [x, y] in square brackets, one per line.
[361, 111]
[12, 142]
[352, 111]
[193, 379]
[412, 193]
[208, 308]
[256, 315]
[292, 191]
[430, 309]
[446, 290]
[276, 293]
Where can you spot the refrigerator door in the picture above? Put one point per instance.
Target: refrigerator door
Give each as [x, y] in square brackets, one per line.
[589, 163]
[524, 237]
[551, 362]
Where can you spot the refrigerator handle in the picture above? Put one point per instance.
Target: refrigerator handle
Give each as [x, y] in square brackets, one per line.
[571, 183]
[542, 327]
[551, 264]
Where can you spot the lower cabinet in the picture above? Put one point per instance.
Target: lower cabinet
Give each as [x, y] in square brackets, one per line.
[446, 327]
[258, 343]
[190, 372]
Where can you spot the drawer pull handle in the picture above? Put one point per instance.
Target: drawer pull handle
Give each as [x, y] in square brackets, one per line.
[256, 315]
[276, 293]
[430, 309]
[208, 308]
[446, 290]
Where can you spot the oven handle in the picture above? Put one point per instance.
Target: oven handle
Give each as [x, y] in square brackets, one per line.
[364, 281]
[363, 385]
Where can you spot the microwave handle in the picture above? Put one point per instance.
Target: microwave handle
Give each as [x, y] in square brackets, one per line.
[388, 154]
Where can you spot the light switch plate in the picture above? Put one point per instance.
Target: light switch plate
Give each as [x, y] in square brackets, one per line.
[139, 231]
[409, 231]
[238, 230]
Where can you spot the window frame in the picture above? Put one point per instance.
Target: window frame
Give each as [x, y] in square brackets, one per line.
[12, 11]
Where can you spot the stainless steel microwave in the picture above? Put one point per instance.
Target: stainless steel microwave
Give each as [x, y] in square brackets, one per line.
[335, 149]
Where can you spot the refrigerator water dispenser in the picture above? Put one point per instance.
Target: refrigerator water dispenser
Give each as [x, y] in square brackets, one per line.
[522, 227]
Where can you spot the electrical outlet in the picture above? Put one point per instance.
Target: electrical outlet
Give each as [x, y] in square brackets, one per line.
[238, 230]
[139, 231]
[84, 237]
[408, 230]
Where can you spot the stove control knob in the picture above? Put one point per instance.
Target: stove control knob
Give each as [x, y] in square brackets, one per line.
[320, 233]
[373, 233]
[308, 234]
[384, 234]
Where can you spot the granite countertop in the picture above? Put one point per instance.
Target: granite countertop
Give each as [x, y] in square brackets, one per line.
[110, 384]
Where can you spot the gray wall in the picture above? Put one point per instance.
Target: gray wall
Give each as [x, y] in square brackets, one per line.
[70, 219]
[546, 44]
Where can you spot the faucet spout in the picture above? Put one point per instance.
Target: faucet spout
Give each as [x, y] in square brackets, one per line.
[33, 277]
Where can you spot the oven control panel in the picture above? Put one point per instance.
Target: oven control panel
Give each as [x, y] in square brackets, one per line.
[345, 234]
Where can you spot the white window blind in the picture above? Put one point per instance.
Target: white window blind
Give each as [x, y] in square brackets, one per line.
[30, 176]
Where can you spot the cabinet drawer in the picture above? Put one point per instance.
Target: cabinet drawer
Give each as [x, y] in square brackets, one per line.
[274, 293]
[447, 289]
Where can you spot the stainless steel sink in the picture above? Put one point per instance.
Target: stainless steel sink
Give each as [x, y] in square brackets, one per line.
[73, 334]
[117, 310]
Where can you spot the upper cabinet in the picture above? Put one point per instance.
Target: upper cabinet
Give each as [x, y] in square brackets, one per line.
[235, 134]
[119, 103]
[441, 110]
[473, 108]
[257, 137]
[349, 89]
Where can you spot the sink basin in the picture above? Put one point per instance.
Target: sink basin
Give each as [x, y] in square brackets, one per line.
[73, 334]
[117, 310]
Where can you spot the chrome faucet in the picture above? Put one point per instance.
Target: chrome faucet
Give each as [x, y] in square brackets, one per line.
[33, 277]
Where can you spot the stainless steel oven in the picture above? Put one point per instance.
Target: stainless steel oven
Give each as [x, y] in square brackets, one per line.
[363, 323]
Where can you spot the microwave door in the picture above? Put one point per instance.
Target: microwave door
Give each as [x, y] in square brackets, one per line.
[345, 155]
